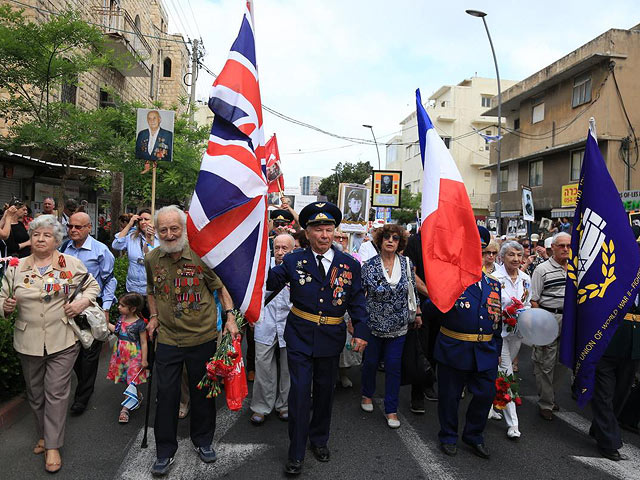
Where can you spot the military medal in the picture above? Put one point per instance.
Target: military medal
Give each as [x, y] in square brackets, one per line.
[301, 281]
[47, 298]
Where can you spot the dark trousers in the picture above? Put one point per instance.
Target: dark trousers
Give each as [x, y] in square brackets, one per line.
[323, 371]
[391, 350]
[613, 380]
[168, 375]
[630, 414]
[427, 335]
[86, 368]
[250, 357]
[482, 387]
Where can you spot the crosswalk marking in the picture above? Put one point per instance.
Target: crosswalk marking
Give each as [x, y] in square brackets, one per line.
[188, 466]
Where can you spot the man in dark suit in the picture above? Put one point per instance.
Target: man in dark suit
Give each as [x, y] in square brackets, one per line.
[154, 143]
[325, 283]
[467, 351]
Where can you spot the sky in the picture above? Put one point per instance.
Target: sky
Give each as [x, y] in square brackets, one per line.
[339, 64]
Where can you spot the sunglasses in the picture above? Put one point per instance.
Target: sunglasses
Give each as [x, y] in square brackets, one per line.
[388, 236]
[76, 227]
[489, 252]
[525, 245]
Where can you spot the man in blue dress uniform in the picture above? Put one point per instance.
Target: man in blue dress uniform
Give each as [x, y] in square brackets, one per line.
[467, 350]
[325, 283]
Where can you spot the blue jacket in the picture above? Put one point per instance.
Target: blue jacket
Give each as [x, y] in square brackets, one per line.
[162, 150]
[321, 298]
[470, 315]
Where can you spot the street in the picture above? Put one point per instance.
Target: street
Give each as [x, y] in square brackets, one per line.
[361, 444]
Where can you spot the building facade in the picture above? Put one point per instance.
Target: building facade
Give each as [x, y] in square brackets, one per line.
[547, 119]
[457, 114]
[309, 185]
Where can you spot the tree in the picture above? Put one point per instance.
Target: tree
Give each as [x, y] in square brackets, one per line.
[344, 173]
[409, 204]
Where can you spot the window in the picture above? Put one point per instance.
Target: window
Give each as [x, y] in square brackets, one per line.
[407, 152]
[446, 140]
[486, 101]
[576, 164]
[535, 173]
[152, 82]
[68, 93]
[504, 179]
[106, 100]
[166, 67]
[486, 141]
[516, 124]
[537, 112]
[581, 90]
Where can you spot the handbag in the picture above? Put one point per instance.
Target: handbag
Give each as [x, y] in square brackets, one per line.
[412, 302]
[91, 324]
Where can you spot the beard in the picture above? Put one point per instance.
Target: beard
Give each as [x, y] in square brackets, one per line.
[174, 246]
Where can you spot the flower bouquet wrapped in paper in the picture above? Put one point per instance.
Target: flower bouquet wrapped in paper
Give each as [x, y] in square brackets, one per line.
[507, 390]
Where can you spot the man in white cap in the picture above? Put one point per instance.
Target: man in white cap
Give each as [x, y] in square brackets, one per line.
[368, 250]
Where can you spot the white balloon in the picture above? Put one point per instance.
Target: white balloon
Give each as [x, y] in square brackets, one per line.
[537, 326]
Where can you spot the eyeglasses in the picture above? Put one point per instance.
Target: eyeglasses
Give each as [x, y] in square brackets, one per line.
[388, 236]
[489, 253]
[340, 237]
[76, 227]
[526, 245]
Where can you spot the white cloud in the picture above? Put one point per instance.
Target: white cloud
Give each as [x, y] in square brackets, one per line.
[338, 64]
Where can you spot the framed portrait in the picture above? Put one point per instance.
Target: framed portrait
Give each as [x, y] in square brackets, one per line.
[154, 134]
[353, 201]
[492, 225]
[386, 185]
[634, 217]
[545, 224]
[528, 213]
[512, 227]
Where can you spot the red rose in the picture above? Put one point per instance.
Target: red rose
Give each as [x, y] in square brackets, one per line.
[14, 261]
[507, 398]
[518, 401]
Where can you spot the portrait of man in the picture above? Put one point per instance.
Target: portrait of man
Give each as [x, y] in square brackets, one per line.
[634, 218]
[355, 205]
[154, 143]
[386, 185]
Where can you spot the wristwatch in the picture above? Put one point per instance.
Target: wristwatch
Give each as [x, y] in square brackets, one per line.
[227, 312]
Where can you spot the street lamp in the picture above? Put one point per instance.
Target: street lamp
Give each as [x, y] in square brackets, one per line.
[478, 13]
[374, 141]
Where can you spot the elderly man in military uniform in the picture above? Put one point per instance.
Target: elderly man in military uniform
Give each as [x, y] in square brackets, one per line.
[325, 283]
[467, 350]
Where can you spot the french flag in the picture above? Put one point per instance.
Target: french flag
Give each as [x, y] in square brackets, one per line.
[451, 249]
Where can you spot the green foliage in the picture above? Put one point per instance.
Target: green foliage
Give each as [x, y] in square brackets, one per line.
[409, 204]
[344, 173]
[11, 379]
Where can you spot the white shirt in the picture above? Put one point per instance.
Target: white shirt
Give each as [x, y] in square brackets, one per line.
[520, 289]
[366, 251]
[327, 259]
[274, 318]
[152, 140]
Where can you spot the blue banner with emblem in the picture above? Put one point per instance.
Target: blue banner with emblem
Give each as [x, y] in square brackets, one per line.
[603, 272]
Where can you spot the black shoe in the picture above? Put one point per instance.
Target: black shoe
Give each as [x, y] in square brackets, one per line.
[321, 453]
[611, 454]
[449, 448]
[293, 467]
[430, 394]
[78, 408]
[479, 449]
[161, 467]
[417, 405]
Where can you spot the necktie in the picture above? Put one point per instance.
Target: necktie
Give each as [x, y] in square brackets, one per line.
[323, 273]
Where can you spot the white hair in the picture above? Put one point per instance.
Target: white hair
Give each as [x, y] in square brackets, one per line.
[287, 235]
[48, 221]
[558, 235]
[170, 209]
[506, 246]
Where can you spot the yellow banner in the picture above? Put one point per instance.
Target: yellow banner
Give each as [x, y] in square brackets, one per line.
[569, 194]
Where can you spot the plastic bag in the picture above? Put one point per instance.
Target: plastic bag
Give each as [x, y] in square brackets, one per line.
[235, 381]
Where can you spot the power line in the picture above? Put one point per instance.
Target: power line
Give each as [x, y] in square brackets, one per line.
[194, 19]
[177, 17]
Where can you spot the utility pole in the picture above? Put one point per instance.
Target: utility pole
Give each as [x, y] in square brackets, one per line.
[194, 76]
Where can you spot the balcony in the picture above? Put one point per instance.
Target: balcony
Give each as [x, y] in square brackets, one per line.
[124, 36]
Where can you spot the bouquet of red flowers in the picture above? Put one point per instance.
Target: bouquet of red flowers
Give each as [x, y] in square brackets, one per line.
[507, 390]
[225, 363]
[510, 314]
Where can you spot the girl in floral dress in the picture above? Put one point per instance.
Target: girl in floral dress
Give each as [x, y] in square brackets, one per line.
[129, 359]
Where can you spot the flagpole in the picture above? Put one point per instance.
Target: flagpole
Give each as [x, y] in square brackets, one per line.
[153, 190]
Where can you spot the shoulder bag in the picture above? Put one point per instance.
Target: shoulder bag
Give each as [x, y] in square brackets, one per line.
[412, 302]
[91, 324]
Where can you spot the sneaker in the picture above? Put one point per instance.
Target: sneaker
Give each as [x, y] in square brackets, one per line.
[417, 406]
[493, 415]
[513, 433]
[161, 467]
[207, 454]
[430, 394]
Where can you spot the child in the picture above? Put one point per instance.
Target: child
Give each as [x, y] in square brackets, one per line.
[129, 359]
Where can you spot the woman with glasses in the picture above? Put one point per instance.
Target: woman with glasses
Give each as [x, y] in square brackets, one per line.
[489, 256]
[386, 280]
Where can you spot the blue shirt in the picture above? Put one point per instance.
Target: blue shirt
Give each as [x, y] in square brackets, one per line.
[99, 262]
[136, 275]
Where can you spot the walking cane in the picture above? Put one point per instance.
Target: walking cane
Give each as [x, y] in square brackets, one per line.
[152, 355]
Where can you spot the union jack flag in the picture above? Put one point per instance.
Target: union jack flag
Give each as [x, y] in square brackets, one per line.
[227, 222]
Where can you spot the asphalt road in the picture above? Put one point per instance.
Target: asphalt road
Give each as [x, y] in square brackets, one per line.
[362, 446]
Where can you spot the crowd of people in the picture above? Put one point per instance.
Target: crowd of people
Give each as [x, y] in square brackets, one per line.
[334, 301]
